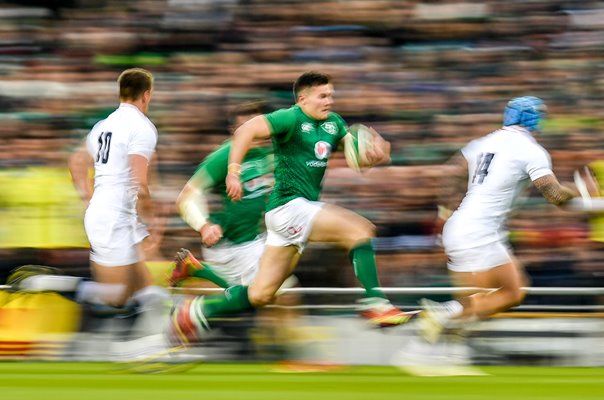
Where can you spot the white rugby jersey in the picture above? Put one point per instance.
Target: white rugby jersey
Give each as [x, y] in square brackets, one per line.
[500, 166]
[126, 131]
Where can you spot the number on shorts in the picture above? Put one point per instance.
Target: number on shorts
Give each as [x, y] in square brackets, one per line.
[482, 167]
[104, 143]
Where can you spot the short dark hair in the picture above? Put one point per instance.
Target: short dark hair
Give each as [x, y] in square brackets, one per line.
[248, 108]
[134, 82]
[309, 79]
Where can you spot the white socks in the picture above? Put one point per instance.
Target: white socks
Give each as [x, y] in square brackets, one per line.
[55, 283]
[452, 308]
[99, 293]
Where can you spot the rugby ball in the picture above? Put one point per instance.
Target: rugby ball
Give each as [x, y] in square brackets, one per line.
[356, 145]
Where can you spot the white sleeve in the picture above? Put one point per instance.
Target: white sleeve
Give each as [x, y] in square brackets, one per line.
[90, 144]
[143, 142]
[539, 163]
[466, 150]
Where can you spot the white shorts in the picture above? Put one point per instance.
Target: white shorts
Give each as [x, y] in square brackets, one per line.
[478, 259]
[489, 246]
[291, 223]
[235, 263]
[114, 237]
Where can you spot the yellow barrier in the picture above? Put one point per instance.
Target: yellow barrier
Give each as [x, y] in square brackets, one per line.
[39, 208]
[36, 325]
[596, 222]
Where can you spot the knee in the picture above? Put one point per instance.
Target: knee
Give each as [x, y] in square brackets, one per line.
[368, 230]
[520, 295]
[515, 296]
[260, 297]
[362, 232]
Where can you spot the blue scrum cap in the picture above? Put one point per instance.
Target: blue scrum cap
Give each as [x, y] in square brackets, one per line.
[526, 111]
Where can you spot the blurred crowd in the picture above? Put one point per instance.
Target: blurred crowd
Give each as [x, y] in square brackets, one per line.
[428, 75]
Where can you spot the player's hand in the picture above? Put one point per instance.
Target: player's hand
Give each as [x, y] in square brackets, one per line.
[380, 151]
[233, 186]
[586, 182]
[437, 231]
[210, 234]
[437, 228]
[85, 194]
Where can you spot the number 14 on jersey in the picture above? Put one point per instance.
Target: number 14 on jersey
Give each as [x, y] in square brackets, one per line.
[482, 167]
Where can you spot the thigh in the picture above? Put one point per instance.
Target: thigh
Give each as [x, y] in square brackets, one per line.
[338, 225]
[508, 275]
[113, 274]
[276, 265]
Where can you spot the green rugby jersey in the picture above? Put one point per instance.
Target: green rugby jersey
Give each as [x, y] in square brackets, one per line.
[302, 148]
[241, 221]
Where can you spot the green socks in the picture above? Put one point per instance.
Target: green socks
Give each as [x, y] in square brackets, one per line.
[206, 272]
[363, 261]
[234, 299]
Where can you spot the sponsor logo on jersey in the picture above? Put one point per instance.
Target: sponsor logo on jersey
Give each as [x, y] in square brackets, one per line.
[329, 127]
[307, 127]
[322, 150]
[316, 164]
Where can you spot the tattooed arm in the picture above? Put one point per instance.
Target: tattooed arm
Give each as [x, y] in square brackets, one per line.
[553, 191]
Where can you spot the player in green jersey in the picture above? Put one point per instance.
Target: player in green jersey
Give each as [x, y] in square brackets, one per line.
[303, 138]
[232, 238]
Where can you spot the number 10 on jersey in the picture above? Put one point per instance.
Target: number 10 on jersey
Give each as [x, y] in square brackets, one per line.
[104, 143]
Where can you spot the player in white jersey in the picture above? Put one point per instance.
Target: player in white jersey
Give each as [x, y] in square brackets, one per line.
[495, 168]
[120, 148]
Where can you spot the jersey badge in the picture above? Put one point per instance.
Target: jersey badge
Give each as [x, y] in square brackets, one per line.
[329, 127]
[307, 127]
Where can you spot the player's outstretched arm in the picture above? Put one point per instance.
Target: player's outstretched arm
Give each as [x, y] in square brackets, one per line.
[80, 164]
[192, 205]
[553, 191]
[255, 128]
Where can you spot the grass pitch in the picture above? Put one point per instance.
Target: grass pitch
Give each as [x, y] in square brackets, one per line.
[92, 381]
